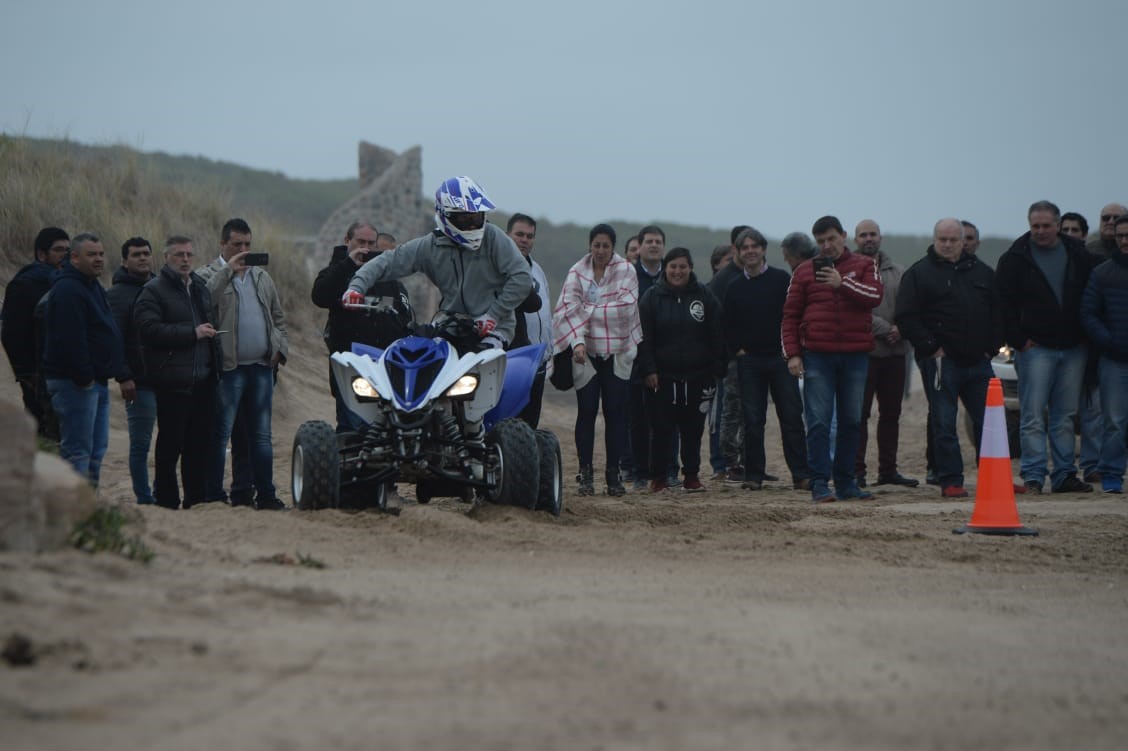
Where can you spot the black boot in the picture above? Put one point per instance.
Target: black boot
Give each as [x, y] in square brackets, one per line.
[586, 480]
[614, 484]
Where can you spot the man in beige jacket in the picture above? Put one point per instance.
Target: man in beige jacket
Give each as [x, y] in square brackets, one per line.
[252, 335]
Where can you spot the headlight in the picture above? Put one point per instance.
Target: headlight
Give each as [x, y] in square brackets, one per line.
[463, 387]
[364, 389]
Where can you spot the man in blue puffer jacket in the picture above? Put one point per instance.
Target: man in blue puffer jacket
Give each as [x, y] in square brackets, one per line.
[1104, 316]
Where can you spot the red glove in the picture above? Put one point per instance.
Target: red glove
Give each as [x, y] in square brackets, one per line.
[352, 298]
[484, 325]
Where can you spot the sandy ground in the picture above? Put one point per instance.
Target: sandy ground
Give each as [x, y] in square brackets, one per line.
[722, 620]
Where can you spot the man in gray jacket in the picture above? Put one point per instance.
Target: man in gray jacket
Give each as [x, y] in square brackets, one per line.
[886, 376]
[476, 266]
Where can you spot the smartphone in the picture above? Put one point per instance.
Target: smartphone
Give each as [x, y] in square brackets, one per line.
[822, 262]
[257, 259]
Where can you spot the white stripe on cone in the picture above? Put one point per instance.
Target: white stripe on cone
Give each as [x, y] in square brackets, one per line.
[994, 444]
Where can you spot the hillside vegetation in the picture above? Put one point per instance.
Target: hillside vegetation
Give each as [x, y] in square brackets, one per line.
[117, 194]
[124, 191]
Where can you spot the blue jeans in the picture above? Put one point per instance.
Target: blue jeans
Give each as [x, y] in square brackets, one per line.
[834, 383]
[613, 391]
[84, 424]
[758, 376]
[1092, 427]
[1114, 408]
[1049, 382]
[141, 415]
[956, 383]
[249, 390]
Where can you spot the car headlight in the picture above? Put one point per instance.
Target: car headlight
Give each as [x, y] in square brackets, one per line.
[463, 387]
[363, 389]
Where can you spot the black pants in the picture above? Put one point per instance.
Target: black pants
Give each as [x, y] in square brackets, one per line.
[532, 411]
[185, 423]
[675, 408]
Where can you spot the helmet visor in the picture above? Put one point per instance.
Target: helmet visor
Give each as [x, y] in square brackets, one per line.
[466, 220]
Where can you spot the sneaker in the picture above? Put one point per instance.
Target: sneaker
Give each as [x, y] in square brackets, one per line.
[1114, 487]
[897, 479]
[953, 491]
[270, 504]
[735, 476]
[1033, 487]
[853, 493]
[627, 476]
[1072, 484]
[720, 476]
[640, 486]
[657, 486]
[770, 478]
[751, 485]
[693, 485]
[1019, 489]
[673, 481]
[1093, 477]
[804, 484]
[931, 478]
[821, 494]
[615, 486]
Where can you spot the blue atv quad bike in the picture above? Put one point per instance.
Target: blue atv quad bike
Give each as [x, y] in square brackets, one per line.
[429, 416]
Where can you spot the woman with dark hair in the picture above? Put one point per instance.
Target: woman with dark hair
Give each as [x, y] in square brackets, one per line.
[681, 355]
[597, 316]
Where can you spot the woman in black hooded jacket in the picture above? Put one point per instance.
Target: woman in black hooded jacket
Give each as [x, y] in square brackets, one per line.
[681, 355]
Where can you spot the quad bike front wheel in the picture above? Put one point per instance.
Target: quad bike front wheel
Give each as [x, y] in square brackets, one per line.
[315, 474]
[516, 475]
[550, 497]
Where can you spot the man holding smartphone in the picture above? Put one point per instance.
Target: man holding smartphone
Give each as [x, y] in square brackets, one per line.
[827, 336]
[254, 341]
[375, 328]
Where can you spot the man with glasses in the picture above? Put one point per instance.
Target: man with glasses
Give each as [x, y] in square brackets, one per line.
[1040, 280]
[345, 326]
[172, 313]
[1105, 242]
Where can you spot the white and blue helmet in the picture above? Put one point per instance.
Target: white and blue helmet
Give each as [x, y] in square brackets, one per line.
[460, 211]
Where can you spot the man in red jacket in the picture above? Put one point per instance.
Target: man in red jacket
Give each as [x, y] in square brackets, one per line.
[827, 336]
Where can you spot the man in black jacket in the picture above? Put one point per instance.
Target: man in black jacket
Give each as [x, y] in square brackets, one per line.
[19, 332]
[752, 312]
[182, 357]
[1041, 279]
[948, 308]
[375, 328]
[83, 350]
[140, 411]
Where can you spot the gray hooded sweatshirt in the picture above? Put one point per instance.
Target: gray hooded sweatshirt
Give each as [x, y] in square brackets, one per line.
[492, 280]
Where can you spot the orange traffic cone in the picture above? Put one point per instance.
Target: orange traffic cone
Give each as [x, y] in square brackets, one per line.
[995, 511]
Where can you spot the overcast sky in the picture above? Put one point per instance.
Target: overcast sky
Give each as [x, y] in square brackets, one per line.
[711, 113]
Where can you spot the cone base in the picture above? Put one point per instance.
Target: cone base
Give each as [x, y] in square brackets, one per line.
[1023, 531]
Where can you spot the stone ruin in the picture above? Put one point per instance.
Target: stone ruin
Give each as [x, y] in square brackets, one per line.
[391, 196]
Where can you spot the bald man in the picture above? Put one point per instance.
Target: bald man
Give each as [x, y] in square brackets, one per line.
[948, 308]
[1105, 242]
[886, 376]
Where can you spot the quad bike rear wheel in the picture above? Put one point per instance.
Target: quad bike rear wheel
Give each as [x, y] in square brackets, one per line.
[550, 498]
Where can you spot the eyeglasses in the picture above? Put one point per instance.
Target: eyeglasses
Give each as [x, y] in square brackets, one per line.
[1122, 236]
[1110, 217]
